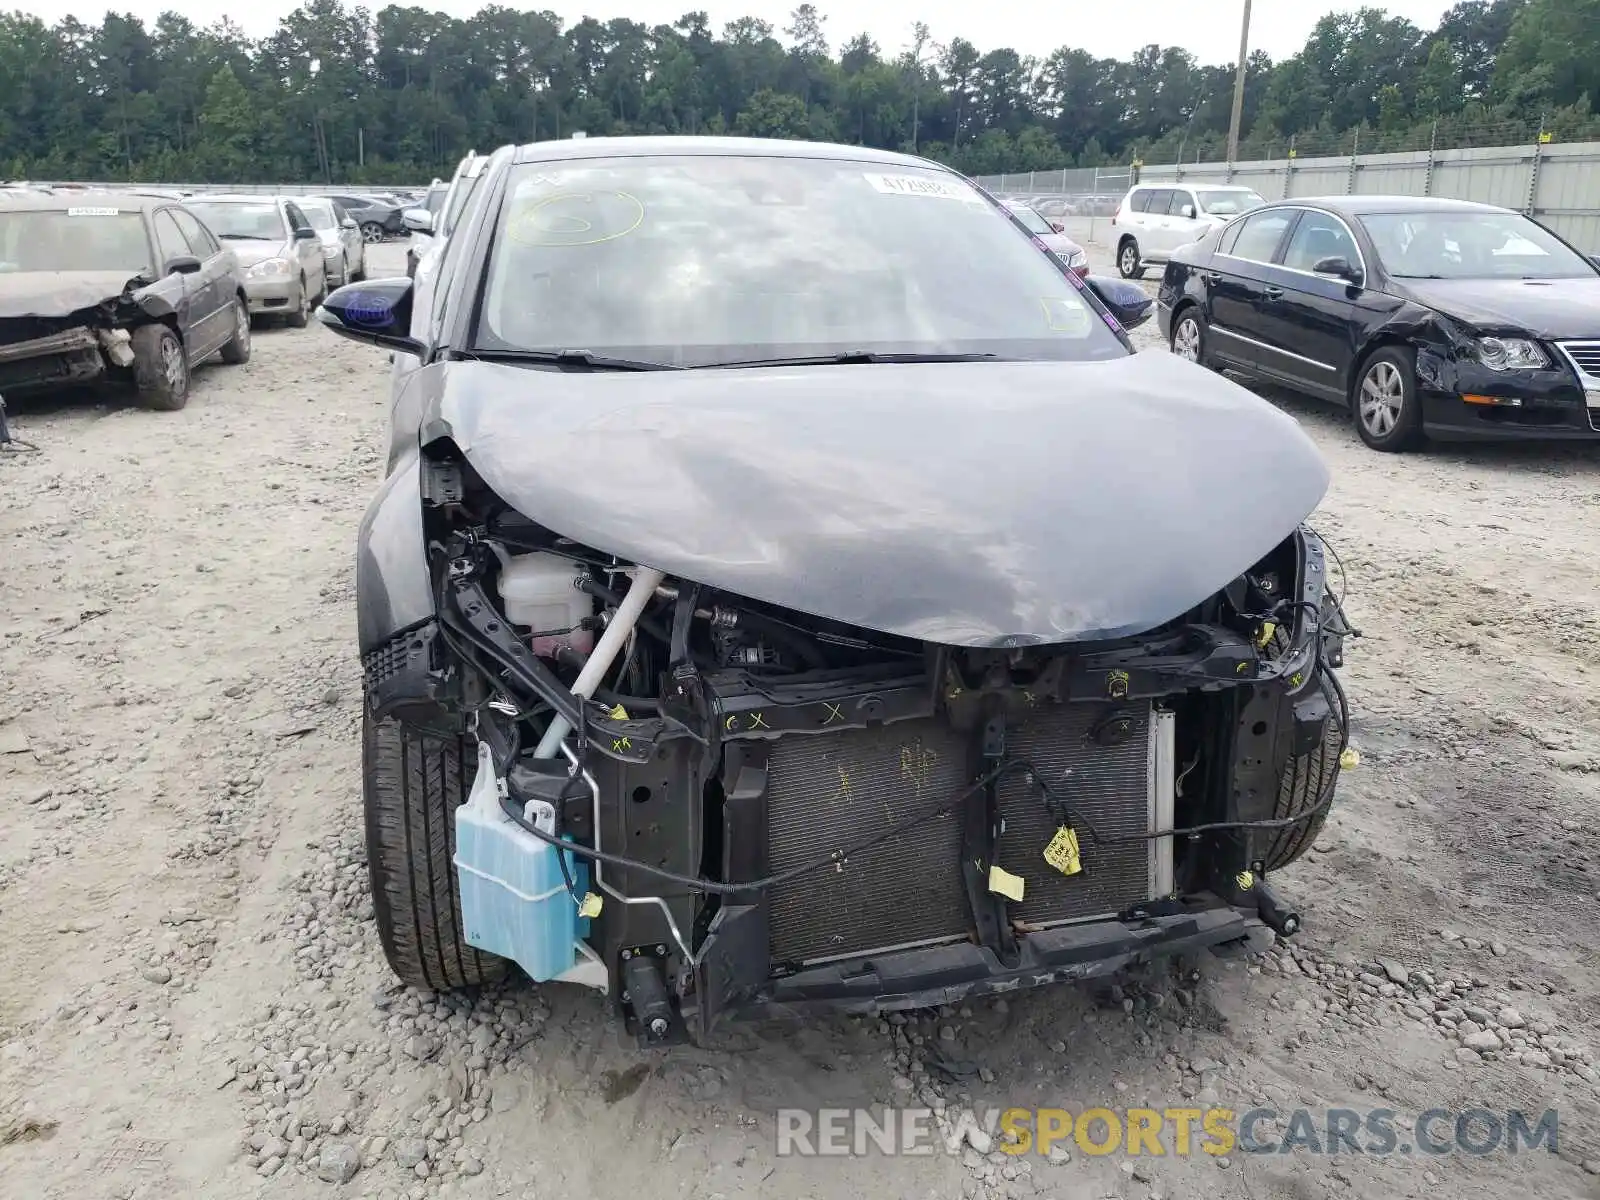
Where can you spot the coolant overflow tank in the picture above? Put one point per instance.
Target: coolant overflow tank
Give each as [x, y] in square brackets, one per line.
[540, 591]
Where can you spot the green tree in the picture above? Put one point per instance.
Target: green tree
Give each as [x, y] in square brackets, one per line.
[230, 129]
[771, 114]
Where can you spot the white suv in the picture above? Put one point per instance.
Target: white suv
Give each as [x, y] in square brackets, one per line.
[1154, 219]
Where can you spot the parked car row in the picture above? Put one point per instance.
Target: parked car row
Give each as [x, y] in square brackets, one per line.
[143, 284]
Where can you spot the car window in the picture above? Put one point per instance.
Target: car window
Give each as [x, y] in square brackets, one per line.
[1319, 236]
[90, 238]
[241, 220]
[1031, 221]
[1229, 236]
[320, 214]
[1467, 244]
[456, 203]
[1140, 200]
[170, 243]
[1260, 234]
[1179, 198]
[698, 260]
[196, 234]
[1228, 202]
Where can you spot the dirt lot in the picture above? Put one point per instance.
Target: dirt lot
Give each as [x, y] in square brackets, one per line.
[193, 1003]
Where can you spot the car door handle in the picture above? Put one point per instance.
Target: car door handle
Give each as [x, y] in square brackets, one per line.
[1211, 276]
[1273, 293]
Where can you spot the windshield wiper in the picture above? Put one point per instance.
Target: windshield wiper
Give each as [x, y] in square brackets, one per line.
[248, 237]
[857, 356]
[582, 359]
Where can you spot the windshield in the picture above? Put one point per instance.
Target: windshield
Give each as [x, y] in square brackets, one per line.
[699, 260]
[1227, 202]
[1031, 221]
[240, 219]
[89, 238]
[320, 214]
[1470, 245]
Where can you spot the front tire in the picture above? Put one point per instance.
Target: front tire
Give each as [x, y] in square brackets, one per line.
[300, 317]
[1190, 338]
[372, 233]
[1129, 264]
[1384, 403]
[160, 368]
[236, 350]
[412, 783]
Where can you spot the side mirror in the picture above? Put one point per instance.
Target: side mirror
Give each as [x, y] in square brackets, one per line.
[377, 312]
[349, 223]
[1058, 226]
[1338, 266]
[183, 264]
[417, 220]
[1127, 301]
[1187, 211]
[305, 233]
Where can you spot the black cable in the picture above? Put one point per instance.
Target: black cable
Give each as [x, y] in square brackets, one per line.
[833, 858]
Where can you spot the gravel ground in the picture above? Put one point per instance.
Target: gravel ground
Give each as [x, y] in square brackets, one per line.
[193, 1002]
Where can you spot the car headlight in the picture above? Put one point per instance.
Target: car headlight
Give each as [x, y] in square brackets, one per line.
[1077, 259]
[1506, 354]
[269, 267]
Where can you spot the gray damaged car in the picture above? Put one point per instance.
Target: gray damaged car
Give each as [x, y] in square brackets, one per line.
[114, 287]
[790, 590]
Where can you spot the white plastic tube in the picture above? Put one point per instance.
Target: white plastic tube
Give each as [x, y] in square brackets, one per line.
[645, 582]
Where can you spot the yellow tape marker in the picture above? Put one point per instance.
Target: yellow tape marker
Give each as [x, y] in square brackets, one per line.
[1004, 883]
[1062, 852]
[591, 906]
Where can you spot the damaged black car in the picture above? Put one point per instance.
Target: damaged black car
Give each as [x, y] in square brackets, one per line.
[114, 287]
[790, 591]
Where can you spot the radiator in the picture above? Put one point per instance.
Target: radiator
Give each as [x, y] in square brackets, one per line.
[830, 791]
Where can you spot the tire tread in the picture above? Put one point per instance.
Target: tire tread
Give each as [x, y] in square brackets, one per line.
[413, 782]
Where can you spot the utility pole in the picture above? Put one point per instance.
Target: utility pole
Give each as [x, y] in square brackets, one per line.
[1238, 85]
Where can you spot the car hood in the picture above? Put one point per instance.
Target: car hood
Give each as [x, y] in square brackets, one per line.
[249, 251]
[1544, 308]
[974, 504]
[61, 293]
[1059, 243]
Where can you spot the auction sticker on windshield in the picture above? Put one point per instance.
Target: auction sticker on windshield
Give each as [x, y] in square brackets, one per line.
[94, 212]
[922, 185]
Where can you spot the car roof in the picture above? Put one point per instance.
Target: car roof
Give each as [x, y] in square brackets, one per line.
[227, 198]
[734, 147]
[61, 201]
[1356, 206]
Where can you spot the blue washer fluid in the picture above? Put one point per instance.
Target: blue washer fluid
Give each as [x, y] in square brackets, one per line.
[514, 902]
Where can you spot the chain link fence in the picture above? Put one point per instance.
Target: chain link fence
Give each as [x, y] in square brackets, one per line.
[1555, 182]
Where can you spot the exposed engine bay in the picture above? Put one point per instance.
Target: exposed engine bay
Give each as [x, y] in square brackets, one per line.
[702, 803]
[59, 345]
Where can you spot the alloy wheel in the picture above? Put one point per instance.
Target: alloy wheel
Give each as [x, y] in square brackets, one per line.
[1186, 340]
[173, 365]
[1383, 394]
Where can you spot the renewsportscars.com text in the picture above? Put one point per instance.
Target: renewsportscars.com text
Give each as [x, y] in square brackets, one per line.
[1153, 1132]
